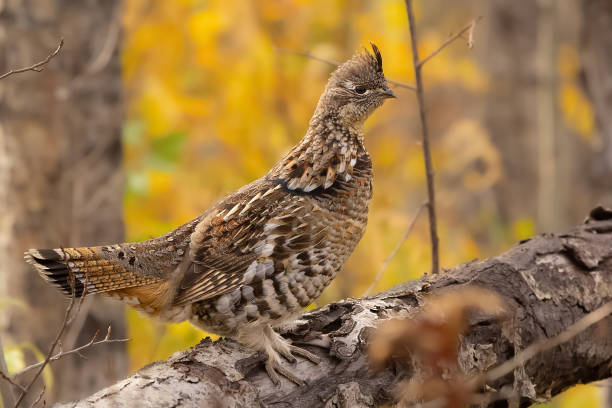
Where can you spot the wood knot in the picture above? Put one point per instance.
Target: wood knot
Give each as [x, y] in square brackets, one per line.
[599, 213]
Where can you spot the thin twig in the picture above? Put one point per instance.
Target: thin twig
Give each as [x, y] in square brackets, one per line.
[39, 66]
[77, 350]
[37, 400]
[6, 392]
[546, 344]
[397, 247]
[336, 63]
[470, 40]
[65, 323]
[429, 171]
[8, 379]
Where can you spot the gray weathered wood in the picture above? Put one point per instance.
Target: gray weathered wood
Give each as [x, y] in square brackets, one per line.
[548, 283]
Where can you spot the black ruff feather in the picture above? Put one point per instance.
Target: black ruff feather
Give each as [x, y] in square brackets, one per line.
[377, 55]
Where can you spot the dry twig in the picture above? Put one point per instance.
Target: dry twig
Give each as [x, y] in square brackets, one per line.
[39, 66]
[429, 171]
[336, 63]
[77, 350]
[8, 379]
[40, 395]
[397, 247]
[470, 40]
[6, 392]
[68, 318]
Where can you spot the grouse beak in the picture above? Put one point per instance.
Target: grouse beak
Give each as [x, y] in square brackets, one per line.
[388, 93]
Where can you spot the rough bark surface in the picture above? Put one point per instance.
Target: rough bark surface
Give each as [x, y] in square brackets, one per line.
[548, 283]
[60, 178]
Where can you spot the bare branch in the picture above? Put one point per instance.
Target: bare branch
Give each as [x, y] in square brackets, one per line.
[336, 63]
[8, 379]
[39, 66]
[397, 247]
[40, 395]
[77, 351]
[307, 55]
[6, 392]
[470, 40]
[429, 171]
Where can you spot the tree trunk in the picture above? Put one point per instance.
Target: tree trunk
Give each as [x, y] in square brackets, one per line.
[60, 183]
[596, 43]
[507, 48]
[545, 162]
[547, 284]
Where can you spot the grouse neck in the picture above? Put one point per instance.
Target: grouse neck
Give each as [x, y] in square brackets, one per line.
[328, 152]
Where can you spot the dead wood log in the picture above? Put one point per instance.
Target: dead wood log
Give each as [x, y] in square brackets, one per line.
[547, 282]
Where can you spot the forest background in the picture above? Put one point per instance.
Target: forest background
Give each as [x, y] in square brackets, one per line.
[216, 91]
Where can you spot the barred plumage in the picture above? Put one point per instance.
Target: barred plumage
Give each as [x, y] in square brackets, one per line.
[261, 254]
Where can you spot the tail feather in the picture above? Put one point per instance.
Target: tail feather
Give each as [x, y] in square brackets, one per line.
[88, 268]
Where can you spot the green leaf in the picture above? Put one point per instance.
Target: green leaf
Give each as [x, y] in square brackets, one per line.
[133, 132]
[166, 151]
[137, 183]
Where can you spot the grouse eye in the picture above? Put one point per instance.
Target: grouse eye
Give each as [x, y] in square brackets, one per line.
[360, 89]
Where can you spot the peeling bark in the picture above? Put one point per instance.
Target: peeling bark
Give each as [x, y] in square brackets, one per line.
[548, 283]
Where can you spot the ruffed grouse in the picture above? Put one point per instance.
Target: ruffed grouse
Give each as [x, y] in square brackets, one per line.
[257, 257]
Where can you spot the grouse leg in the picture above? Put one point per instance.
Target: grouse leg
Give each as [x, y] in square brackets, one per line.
[275, 346]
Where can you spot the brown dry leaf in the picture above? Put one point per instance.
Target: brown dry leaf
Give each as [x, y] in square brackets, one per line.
[432, 339]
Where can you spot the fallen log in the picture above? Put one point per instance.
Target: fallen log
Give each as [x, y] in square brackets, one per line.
[548, 283]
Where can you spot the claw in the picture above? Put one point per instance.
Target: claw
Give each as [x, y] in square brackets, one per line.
[272, 368]
[304, 353]
[287, 354]
[275, 346]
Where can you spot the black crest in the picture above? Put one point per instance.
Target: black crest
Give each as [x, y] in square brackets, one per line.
[377, 55]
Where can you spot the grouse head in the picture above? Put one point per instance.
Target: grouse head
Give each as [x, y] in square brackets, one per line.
[356, 88]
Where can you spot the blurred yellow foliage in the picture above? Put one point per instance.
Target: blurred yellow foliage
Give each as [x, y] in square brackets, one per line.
[523, 229]
[152, 341]
[471, 155]
[580, 396]
[14, 354]
[576, 109]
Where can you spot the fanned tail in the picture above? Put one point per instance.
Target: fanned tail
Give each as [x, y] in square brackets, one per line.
[89, 270]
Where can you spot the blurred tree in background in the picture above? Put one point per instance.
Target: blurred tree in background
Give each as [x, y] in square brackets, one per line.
[60, 180]
[519, 148]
